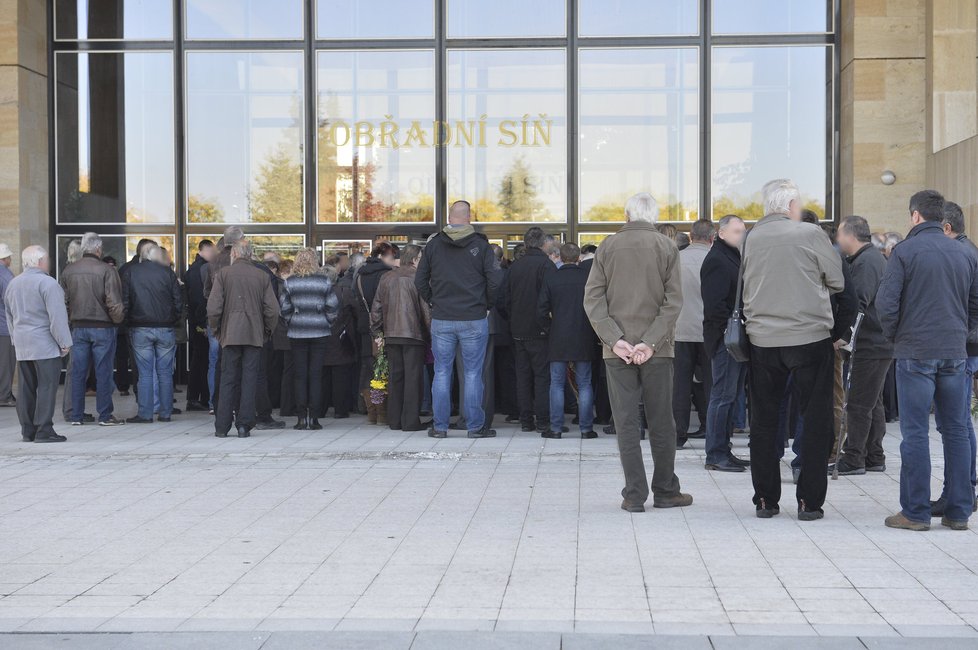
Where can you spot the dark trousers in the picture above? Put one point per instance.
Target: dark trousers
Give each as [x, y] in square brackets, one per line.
[533, 380]
[866, 419]
[36, 396]
[810, 367]
[504, 366]
[239, 380]
[890, 406]
[197, 390]
[336, 390]
[599, 381]
[366, 362]
[286, 404]
[406, 387]
[276, 368]
[263, 405]
[122, 377]
[651, 384]
[307, 368]
[691, 359]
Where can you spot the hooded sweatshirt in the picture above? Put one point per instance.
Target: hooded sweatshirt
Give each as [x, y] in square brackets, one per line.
[456, 275]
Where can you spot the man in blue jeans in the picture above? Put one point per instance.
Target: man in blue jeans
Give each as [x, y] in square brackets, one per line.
[570, 340]
[953, 224]
[456, 278]
[93, 293]
[153, 303]
[927, 303]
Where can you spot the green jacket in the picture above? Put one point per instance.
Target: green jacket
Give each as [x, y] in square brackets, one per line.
[634, 290]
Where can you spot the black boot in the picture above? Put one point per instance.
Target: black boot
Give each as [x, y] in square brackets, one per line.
[301, 425]
[314, 424]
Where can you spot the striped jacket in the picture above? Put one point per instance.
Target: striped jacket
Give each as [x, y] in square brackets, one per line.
[309, 305]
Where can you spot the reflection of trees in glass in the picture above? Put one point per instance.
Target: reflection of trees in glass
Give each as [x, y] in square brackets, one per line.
[277, 196]
[614, 210]
[201, 210]
[518, 193]
[750, 209]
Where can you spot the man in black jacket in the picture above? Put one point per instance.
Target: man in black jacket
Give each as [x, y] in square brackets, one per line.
[571, 340]
[718, 287]
[520, 297]
[198, 393]
[863, 451]
[456, 277]
[153, 302]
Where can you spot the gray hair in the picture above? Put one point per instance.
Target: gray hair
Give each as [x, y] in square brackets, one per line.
[357, 260]
[151, 253]
[858, 228]
[642, 207]
[241, 249]
[31, 256]
[778, 195]
[91, 243]
[73, 251]
[727, 220]
[232, 235]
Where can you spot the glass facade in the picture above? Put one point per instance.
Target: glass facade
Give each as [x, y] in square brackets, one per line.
[338, 122]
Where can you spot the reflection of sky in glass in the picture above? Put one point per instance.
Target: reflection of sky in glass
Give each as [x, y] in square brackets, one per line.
[639, 130]
[769, 119]
[506, 85]
[769, 16]
[369, 86]
[242, 110]
[141, 19]
[148, 119]
[376, 19]
[244, 18]
[478, 18]
[638, 17]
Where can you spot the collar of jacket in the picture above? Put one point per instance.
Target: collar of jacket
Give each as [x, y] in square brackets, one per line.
[569, 265]
[924, 226]
[241, 259]
[699, 245]
[852, 258]
[962, 237]
[638, 225]
[34, 269]
[533, 250]
[776, 216]
[727, 248]
[94, 257]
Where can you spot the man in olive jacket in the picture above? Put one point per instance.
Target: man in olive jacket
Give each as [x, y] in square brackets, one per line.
[242, 312]
[633, 298]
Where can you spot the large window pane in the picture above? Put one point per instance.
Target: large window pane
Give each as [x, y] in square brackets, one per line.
[231, 19]
[120, 248]
[113, 19]
[771, 16]
[244, 137]
[769, 121]
[375, 18]
[370, 166]
[517, 171]
[639, 131]
[284, 245]
[638, 17]
[114, 160]
[478, 18]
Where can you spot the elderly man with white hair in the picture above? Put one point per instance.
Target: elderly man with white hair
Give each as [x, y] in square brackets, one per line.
[789, 272]
[38, 323]
[633, 297]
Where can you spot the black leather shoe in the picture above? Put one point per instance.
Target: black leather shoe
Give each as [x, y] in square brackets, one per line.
[244, 432]
[699, 434]
[588, 435]
[196, 406]
[220, 434]
[738, 461]
[529, 427]
[52, 438]
[724, 466]
[432, 433]
[163, 419]
[27, 438]
[937, 507]
[483, 433]
[300, 425]
[609, 430]
[551, 434]
[270, 425]
[139, 420]
[314, 424]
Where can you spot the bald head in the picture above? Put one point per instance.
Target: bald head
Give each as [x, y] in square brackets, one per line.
[460, 213]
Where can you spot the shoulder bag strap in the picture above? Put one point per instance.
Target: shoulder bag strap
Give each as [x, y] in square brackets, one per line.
[739, 301]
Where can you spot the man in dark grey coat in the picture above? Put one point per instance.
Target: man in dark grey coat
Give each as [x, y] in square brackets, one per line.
[863, 451]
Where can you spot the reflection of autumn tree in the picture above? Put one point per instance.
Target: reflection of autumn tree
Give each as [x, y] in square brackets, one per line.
[518, 194]
[752, 209]
[200, 210]
[278, 196]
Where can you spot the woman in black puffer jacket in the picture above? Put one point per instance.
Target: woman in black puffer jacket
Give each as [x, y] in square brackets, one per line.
[310, 306]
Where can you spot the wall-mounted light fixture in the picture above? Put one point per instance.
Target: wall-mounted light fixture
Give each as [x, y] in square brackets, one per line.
[888, 177]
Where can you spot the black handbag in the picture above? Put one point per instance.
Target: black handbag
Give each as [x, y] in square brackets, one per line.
[735, 338]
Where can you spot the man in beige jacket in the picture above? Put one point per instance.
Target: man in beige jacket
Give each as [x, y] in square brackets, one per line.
[633, 298]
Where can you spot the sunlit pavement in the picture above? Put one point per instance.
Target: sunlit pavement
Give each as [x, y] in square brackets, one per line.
[358, 536]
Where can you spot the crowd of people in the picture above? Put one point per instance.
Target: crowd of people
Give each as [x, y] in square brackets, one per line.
[820, 333]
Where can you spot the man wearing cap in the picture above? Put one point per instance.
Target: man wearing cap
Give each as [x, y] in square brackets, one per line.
[7, 359]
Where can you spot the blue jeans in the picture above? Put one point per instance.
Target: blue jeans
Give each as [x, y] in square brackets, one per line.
[471, 336]
[740, 411]
[155, 349]
[585, 394]
[213, 347]
[943, 383]
[970, 369]
[728, 385]
[92, 346]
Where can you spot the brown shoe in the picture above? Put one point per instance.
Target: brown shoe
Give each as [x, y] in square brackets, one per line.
[954, 525]
[899, 521]
[628, 506]
[675, 501]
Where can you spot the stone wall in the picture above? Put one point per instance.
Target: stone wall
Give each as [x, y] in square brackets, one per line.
[24, 218]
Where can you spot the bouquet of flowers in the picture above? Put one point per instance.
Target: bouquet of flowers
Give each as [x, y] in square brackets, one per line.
[378, 385]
